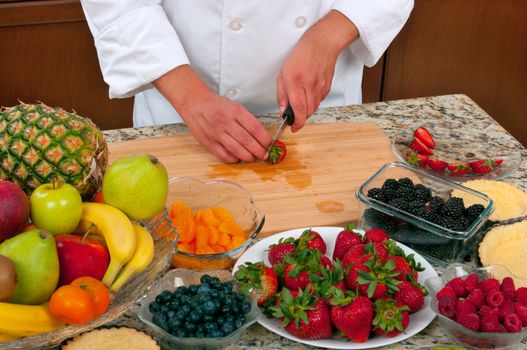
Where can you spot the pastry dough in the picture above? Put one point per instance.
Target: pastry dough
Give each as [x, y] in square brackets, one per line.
[112, 339]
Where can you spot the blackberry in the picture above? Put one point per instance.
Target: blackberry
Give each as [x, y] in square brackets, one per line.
[417, 207]
[399, 203]
[473, 212]
[406, 193]
[390, 227]
[387, 194]
[435, 205]
[390, 184]
[454, 207]
[423, 193]
[374, 193]
[406, 182]
[375, 217]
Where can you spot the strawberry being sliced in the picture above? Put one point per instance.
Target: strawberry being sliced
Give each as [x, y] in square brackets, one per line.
[259, 276]
[437, 165]
[420, 147]
[277, 152]
[484, 166]
[425, 137]
[457, 169]
[416, 159]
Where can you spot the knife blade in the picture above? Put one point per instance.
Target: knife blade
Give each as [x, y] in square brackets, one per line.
[289, 119]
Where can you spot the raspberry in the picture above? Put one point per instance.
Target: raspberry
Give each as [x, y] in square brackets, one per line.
[491, 324]
[521, 311]
[489, 311]
[470, 320]
[513, 323]
[446, 291]
[495, 298]
[508, 289]
[464, 307]
[458, 285]
[476, 298]
[521, 295]
[447, 306]
[506, 308]
[489, 284]
[471, 282]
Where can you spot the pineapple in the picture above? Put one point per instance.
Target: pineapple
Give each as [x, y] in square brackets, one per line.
[40, 144]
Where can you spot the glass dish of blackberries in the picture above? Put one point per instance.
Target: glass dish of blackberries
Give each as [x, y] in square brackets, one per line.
[417, 209]
[198, 310]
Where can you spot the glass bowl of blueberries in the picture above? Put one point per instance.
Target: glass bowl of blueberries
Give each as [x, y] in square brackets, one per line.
[198, 310]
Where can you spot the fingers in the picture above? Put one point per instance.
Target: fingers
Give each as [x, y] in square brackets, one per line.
[281, 95]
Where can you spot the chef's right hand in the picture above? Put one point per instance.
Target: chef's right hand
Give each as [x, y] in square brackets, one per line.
[222, 126]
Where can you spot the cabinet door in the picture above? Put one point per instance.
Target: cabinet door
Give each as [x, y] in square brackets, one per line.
[472, 47]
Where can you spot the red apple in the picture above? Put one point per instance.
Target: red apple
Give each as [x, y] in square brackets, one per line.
[80, 257]
[14, 210]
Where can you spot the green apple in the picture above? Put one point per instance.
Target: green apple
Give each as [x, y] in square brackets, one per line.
[56, 208]
[137, 185]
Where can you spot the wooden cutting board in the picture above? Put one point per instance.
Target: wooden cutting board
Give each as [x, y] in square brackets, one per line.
[314, 186]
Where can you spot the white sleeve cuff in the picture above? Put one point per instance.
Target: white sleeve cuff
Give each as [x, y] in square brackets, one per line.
[136, 49]
[378, 22]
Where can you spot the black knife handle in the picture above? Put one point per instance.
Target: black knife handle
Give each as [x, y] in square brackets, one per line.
[289, 115]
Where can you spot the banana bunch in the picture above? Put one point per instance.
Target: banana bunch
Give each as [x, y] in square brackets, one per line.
[131, 247]
[17, 320]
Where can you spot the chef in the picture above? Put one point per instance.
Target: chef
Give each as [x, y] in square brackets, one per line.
[215, 64]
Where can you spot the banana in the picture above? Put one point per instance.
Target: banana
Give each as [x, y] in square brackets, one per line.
[17, 320]
[117, 230]
[4, 338]
[143, 255]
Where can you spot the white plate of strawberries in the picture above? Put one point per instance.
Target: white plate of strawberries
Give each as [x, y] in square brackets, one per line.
[338, 288]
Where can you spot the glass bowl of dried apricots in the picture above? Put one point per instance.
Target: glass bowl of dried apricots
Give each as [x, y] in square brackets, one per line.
[216, 221]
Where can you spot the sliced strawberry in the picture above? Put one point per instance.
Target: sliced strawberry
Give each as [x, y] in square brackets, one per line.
[425, 137]
[421, 148]
[457, 169]
[437, 165]
[277, 152]
[416, 159]
[484, 166]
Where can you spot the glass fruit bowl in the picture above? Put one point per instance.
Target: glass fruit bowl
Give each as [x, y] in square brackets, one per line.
[460, 147]
[160, 228]
[461, 334]
[217, 193]
[186, 277]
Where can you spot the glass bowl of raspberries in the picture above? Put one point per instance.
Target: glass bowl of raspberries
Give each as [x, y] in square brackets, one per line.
[418, 210]
[483, 308]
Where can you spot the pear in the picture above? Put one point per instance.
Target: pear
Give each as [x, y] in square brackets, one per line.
[137, 185]
[36, 261]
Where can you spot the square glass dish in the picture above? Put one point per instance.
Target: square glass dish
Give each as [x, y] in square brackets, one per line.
[437, 243]
[186, 277]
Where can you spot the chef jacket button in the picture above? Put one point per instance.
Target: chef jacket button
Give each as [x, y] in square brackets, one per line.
[300, 21]
[235, 25]
[230, 93]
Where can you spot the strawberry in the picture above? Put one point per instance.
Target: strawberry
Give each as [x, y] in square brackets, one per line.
[258, 276]
[378, 279]
[304, 316]
[352, 315]
[495, 298]
[476, 298]
[457, 169]
[484, 166]
[278, 251]
[446, 291]
[513, 323]
[458, 286]
[521, 311]
[416, 159]
[345, 240]
[326, 262]
[277, 152]
[469, 320]
[299, 266]
[447, 306]
[311, 239]
[353, 275]
[506, 308]
[420, 147]
[410, 295]
[376, 235]
[508, 289]
[521, 295]
[437, 165]
[376, 248]
[424, 136]
[390, 318]
[489, 284]
[401, 266]
[471, 282]
[491, 325]
[295, 278]
[353, 255]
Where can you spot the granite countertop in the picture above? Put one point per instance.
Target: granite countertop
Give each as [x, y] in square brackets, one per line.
[450, 115]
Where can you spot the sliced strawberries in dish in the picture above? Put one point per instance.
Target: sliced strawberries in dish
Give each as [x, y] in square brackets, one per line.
[420, 147]
[457, 169]
[437, 165]
[484, 166]
[416, 159]
[425, 136]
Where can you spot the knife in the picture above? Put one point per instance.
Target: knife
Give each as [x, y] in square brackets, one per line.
[289, 119]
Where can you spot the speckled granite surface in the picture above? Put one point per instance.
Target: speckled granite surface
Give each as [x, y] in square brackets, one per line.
[451, 115]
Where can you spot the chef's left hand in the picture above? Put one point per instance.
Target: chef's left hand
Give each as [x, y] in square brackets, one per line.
[306, 76]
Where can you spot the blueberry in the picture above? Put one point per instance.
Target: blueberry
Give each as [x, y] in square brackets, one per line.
[174, 305]
[227, 286]
[241, 318]
[154, 307]
[238, 323]
[205, 279]
[204, 288]
[229, 319]
[241, 297]
[164, 297]
[200, 334]
[209, 326]
[190, 326]
[209, 307]
[181, 315]
[195, 316]
[185, 300]
[186, 309]
[225, 309]
[164, 308]
[215, 333]
[159, 318]
[193, 289]
[220, 320]
[208, 318]
[174, 323]
[171, 314]
[227, 328]
[246, 307]
[181, 333]
[181, 290]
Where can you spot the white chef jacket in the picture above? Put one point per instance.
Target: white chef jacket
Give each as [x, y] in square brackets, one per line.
[237, 46]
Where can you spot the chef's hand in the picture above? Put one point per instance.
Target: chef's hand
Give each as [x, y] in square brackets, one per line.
[306, 76]
[222, 126]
